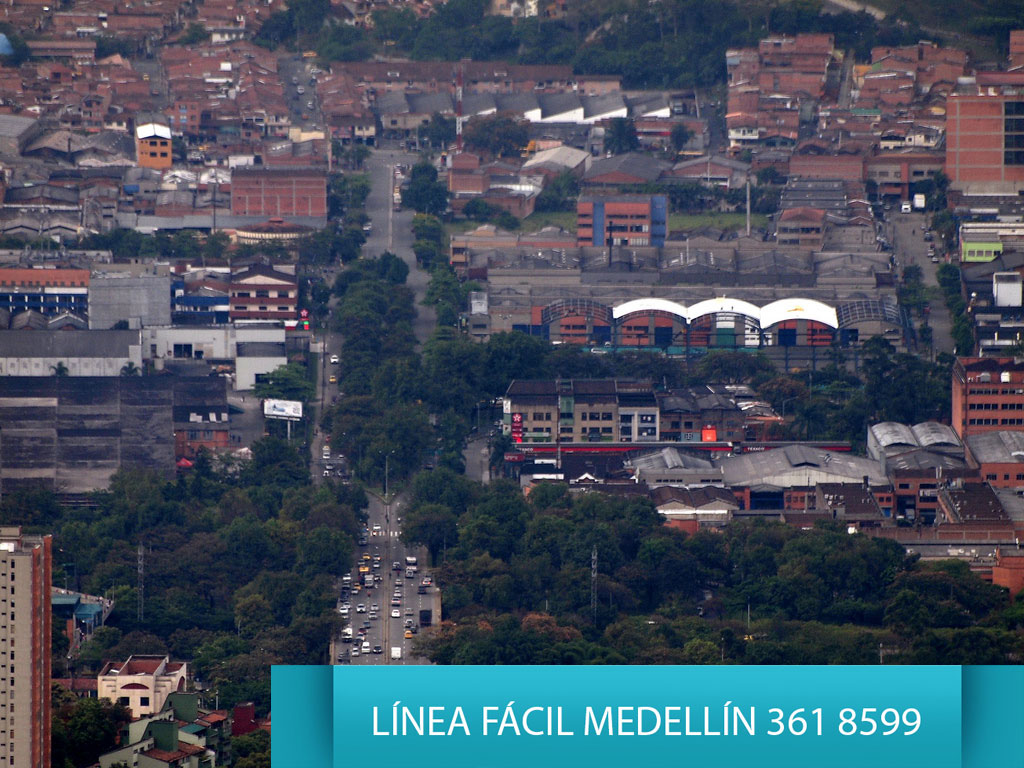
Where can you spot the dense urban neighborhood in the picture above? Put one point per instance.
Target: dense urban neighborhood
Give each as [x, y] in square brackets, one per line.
[408, 332]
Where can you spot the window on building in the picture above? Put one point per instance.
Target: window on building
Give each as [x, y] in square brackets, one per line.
[143, 701]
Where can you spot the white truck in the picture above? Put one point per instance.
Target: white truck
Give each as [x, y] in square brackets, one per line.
[396, 653]
[919, 202]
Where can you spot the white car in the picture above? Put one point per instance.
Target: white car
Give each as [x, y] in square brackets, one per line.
[343, 611]
[395, 613]
[361, 608]
[365, 647]
[335, 360]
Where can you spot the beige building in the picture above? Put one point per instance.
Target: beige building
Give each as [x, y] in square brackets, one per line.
[25, 630]
[142, 683]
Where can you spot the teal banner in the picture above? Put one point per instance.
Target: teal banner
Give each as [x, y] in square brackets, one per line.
[721, 716]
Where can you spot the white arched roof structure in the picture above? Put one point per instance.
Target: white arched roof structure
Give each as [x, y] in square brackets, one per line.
[798, 309]
[649, 305]
[721, 305]
[765, 317]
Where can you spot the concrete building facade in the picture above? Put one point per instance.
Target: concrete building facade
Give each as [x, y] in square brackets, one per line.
[25, 630]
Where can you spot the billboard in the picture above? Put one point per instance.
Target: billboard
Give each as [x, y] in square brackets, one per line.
[282, 409]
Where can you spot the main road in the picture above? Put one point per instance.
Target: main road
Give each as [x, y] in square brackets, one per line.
[391, 231]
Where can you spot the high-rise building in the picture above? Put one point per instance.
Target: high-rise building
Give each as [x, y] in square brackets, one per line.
[25, 576]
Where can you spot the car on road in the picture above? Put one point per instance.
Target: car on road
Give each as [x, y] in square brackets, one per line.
[335, 360]
[354, 652]
[365, 647]
[375, 607]
[935, 259]
[427, 581]
[333, 379]
[396, 566]
[300, 90]
[373, 616]
[409, 623]
[408, 634]
[309, 105]
[343, 611]
[376, 528]
[395, 613]
[361, 608]
[395, 601]
[378, 649]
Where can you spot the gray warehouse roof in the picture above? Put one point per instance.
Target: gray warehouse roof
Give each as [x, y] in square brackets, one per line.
[799, 465]
[1002, 447]
[13, 126]
[68, 343]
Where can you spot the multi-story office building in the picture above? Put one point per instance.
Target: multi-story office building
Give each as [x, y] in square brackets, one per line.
[25, 621]
[47, 291]
[988, 395]
[985, 135]
[264, 293]
[581, 410]
[629, 220]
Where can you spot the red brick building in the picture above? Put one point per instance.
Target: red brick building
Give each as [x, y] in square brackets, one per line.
[988, 395]
[279, 192]
[985, 135]
[630, 220]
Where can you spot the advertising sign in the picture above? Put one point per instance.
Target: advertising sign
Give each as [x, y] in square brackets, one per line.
[282, 409]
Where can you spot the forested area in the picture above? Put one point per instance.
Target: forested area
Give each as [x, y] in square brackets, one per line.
[671, 44]
[240, 563]
[516, 577]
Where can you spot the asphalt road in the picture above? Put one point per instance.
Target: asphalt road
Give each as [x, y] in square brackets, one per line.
[392, 231]
[387, 631]
[910, 247]
[295, 73]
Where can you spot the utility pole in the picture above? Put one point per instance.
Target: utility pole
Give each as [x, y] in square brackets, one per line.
[141, 610]
[748, 205]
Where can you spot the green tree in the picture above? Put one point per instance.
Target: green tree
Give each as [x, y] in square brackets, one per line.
[59, 369]
[287, 382]
[308, 15]
[424, 193]
[620, 136]
[440, 131]
[434, 526]
[498, 135]
[680, 137]
[83, 729]
[253, 615]
[324, 550]
[130, 369]
[195, 33]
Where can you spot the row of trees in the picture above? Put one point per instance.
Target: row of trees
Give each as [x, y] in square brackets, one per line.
[679, 43]
[379, 421]
[516, 575]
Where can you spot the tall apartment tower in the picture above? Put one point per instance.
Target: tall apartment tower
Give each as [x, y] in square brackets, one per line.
[25, 576]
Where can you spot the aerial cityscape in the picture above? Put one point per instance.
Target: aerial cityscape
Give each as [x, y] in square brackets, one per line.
[497, 332]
